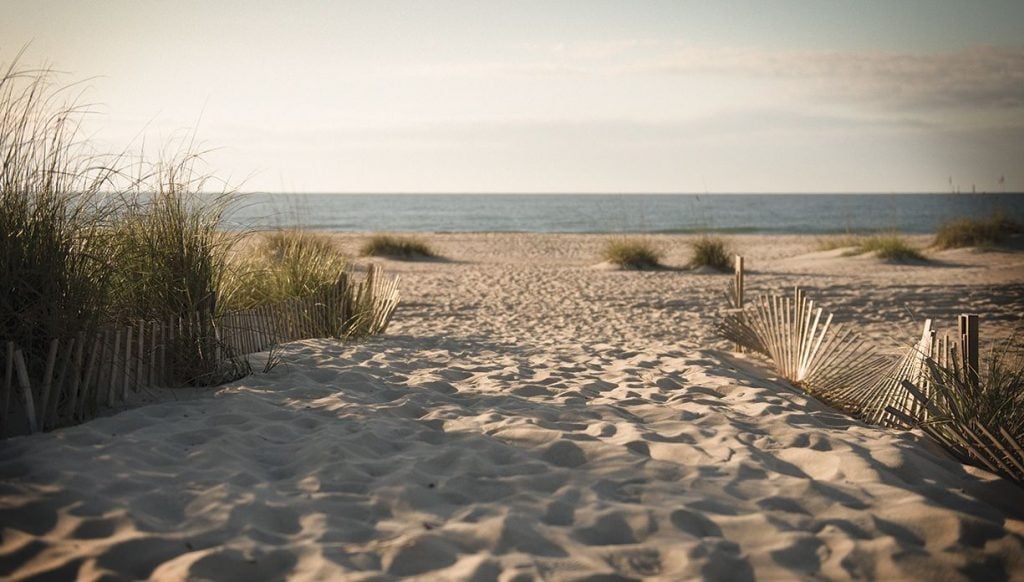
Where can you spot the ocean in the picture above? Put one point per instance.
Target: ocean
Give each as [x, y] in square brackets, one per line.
[611, 213]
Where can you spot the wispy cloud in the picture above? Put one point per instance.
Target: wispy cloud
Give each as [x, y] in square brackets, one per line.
[978, 77]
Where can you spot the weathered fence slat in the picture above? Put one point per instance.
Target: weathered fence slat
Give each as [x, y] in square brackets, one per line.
[26, 391]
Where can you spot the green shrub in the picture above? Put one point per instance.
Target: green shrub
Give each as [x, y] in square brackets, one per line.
[396, 247]
[630, 253]
[973, 232]
[711, 251]
[890, 247]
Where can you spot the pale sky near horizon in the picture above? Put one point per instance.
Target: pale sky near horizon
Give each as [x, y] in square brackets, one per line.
[531, 96]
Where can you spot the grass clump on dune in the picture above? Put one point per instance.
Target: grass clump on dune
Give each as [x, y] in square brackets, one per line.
[286, 264]
[710, 251]
[396, 247]
[631, 253]
[891, 247]
[974, 232]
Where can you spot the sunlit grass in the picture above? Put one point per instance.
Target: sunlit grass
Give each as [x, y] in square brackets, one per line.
[631, 253]
[975, 232]
[891, 247]
[711, 251]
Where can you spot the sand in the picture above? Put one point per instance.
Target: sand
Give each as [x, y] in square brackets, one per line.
[529, 416]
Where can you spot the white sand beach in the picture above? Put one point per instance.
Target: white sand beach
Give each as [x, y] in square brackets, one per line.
[531, 417]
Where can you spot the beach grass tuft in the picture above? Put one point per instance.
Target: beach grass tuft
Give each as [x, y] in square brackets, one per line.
[711, 251]
[396, 247]
[890, 247]
[285, 264]
[631, 253]
[976, 232]
[981, 423]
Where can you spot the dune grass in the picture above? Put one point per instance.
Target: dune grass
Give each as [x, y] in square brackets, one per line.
[54, 274]
[90, 243]
[285, 264]
[396, 247]
[981, 424]
[891, 247]
[631, 253]
[711, 251]
[976, 232]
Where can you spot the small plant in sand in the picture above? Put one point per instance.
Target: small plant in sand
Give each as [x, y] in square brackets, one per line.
[631, 253]
[710, 251]
[396, 247]
[891, 247]
[974, 232]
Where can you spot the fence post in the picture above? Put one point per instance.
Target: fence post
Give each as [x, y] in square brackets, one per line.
[737, 291]
[967, 326]
[26, 391]
[58, 389]
[44, 397]
[8, 385]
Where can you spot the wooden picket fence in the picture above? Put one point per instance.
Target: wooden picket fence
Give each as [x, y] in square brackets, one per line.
[84, 373]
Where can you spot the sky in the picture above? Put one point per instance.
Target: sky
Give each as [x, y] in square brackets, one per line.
[550, 96]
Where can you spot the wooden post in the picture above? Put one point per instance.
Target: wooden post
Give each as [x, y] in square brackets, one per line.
[26, 391]
[114, 357]
[44, 398]
[737, 292]
[140, 357]
[76, 382]
[58, 389]
[8, 386]
[152, 354]
[967, 325]
[126, 379]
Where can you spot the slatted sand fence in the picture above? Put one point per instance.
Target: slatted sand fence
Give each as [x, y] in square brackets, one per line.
[976, 414]
[830, 361]
[82, 374]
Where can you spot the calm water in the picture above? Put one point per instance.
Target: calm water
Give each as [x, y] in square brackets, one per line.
[778, 213]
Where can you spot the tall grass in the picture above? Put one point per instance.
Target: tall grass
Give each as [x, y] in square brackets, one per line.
[631, 253]
[973, 232]
[171, 248]
[54, 273]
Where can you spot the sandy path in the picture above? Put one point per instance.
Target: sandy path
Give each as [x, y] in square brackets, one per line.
[529, 416]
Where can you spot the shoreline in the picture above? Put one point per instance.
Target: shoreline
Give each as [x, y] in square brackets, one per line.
[529, 414]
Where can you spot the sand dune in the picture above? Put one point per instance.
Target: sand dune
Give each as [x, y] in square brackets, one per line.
[529, 417]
